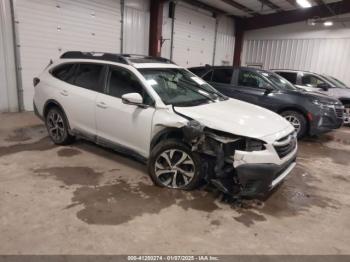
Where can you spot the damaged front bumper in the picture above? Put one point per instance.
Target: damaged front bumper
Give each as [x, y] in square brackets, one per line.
[258, 179]
[260, 171]
[242, 166]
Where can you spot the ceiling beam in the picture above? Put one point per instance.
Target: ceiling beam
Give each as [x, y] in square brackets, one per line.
[240, 7]
[204, 6]
[298, 15]
[293, 3]
[319, 2]
[270, 4]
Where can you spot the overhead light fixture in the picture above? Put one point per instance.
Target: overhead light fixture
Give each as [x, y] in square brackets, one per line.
[328, 23]
[304, 3]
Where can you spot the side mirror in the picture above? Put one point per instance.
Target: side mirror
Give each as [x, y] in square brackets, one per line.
[268, 89]
[132, 99]
[323, 86]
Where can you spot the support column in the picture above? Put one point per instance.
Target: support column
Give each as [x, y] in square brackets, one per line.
[239, 37]
[156, 22]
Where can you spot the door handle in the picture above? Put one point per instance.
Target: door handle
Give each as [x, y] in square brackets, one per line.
[102, 105]
[64, 92]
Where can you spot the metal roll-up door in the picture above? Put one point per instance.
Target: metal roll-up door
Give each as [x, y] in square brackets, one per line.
[136, 27]
[8, 81]
[194, 36]
[47, 28]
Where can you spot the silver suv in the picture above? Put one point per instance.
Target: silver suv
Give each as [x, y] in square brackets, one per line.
[320, 83]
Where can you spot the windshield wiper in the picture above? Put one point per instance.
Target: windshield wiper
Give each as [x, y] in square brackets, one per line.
[208, 91]
[190, 103]
[193, 89]
[205, 90]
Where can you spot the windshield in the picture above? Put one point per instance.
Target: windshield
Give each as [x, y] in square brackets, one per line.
[279, 81]
[335, 81]
[179, 87]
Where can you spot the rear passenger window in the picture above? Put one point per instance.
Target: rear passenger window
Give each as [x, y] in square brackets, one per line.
[311, 81]
[291, 77]
[88, 76]
[223, 76]
[121, 82]
[64, 72]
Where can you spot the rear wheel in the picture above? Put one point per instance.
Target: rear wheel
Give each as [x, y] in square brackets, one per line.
[57, 127]
[173, 165]
[298, 121]
[347, 114]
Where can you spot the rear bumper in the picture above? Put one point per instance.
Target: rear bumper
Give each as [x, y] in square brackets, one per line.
[258, 179]
[36, 112]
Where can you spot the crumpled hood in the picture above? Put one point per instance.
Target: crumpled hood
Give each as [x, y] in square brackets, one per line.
[239, 118]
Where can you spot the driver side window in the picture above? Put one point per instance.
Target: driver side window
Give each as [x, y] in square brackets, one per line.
[311, 81]
[251, 79]
[122, 81]
[222, 76]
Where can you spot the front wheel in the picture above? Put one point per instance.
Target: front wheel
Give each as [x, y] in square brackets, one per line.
[173, 165]
[298, 121]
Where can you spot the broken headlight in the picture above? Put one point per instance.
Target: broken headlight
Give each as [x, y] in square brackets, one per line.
[230, 143]
[254, 145]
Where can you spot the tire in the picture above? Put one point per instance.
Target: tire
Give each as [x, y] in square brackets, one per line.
[185, 175]
[347, 114]
[297, 120]
[57, 127]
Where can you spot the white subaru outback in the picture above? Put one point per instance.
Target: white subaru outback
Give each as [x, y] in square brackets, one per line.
[184, 129]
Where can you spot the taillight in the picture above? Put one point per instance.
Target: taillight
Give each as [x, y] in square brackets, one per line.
[36, 81]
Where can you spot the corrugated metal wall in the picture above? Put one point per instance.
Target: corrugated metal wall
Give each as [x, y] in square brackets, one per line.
[136, 27]
[8, 88]
[300, 47]
[47, 28]
[225, 41]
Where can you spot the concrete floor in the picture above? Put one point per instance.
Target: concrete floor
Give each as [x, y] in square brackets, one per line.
[85, 199]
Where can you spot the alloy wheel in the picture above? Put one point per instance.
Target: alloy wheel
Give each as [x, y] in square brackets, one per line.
[174, 168]
[294, 121]
[55, 126]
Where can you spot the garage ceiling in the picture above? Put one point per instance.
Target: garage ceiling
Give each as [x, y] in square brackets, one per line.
[251, 8]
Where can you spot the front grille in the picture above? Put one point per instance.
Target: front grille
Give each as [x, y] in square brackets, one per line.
[339, 111]
[285, 146]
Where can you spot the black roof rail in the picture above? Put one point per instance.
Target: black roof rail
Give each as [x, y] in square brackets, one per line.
[146, 57]
[95, 55]
[293, 70]
[119, 58]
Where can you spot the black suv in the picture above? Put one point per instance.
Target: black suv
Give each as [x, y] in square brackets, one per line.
[310, 113]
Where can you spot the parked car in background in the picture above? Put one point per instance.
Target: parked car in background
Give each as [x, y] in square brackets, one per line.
[184, 129]
[320, 83]
[309, 113]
